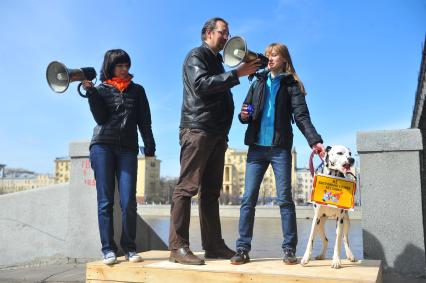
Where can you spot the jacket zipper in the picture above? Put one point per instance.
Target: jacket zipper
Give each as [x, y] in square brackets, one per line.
[121, 126]
[275, 113]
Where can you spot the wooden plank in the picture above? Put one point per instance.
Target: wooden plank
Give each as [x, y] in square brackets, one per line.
[157, 269]
[124, 271]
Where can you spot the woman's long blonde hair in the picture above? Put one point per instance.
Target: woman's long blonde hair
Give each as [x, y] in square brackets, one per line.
[288, 67]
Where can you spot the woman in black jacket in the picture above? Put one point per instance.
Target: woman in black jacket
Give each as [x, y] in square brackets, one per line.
[119, 106]
[271, 103]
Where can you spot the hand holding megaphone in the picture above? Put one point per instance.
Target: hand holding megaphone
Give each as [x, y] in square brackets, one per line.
[248, 68]
[86, 84]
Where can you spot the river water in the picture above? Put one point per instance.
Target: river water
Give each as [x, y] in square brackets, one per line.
[267, 235]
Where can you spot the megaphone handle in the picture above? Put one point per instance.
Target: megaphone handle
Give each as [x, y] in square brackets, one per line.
[79, 91]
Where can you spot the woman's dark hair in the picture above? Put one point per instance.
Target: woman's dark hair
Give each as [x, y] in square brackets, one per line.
[111, 59]
[210, 25]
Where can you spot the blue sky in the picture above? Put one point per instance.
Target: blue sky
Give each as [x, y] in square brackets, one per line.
[359, 61]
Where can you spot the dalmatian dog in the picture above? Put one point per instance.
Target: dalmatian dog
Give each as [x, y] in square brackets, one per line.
[337, 162]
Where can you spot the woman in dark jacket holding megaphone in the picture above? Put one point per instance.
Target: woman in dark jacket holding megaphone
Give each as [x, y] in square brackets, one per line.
[271, 103]
[119, 106]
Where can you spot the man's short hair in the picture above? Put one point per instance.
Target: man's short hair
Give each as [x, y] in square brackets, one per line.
[210, 25]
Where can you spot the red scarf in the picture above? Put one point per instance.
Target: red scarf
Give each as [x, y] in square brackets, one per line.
[119, 83]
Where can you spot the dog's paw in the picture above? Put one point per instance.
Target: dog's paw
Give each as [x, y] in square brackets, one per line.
[336, 264]
[350, 256]
[304, 261]
[320, 257]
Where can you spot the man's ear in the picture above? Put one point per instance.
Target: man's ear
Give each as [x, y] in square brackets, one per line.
[208, 32]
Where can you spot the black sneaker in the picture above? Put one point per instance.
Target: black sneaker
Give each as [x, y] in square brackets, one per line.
[240, 257]
[289, 257]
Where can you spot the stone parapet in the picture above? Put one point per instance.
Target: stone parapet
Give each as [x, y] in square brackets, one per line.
[391, 192]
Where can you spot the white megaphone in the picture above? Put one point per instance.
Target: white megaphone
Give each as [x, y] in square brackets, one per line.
[59, 76]
[235, 52]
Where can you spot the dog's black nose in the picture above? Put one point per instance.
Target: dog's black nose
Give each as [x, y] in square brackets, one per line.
[351, 160]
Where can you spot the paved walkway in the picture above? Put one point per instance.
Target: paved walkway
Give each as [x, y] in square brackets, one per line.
[45, 273]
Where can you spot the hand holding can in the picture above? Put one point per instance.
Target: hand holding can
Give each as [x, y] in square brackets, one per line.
[246, 111]
[250, 109]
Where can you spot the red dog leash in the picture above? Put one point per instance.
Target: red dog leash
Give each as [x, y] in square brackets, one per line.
[311, 162]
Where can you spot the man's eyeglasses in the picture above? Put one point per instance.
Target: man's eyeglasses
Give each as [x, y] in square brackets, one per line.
[223, 33]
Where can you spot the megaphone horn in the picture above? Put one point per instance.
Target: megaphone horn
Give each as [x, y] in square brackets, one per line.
[235, 52]
[59, 76]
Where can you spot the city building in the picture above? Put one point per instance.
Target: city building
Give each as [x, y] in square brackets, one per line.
[148, 182]
[17, 180]
[234, 178]
[2, 166]
[62, 170]
[303, 187]
[148, 176]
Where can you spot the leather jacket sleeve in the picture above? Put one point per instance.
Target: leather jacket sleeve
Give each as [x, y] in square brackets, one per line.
[97, 106]
[301, 115]
[204, 83]
[247, 100]
[144, 124]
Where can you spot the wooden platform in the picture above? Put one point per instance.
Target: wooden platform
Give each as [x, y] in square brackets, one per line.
[157, 269]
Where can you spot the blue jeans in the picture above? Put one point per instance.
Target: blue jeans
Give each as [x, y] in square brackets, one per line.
[258, 160]
[108, 163]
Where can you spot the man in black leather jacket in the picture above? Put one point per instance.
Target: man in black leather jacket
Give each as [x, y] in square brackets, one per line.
[206, 118]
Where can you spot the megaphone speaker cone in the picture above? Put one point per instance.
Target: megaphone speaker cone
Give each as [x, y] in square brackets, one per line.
[234, 51]
[57, 76]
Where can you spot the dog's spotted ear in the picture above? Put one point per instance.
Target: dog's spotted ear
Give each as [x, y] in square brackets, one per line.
[327, 149]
